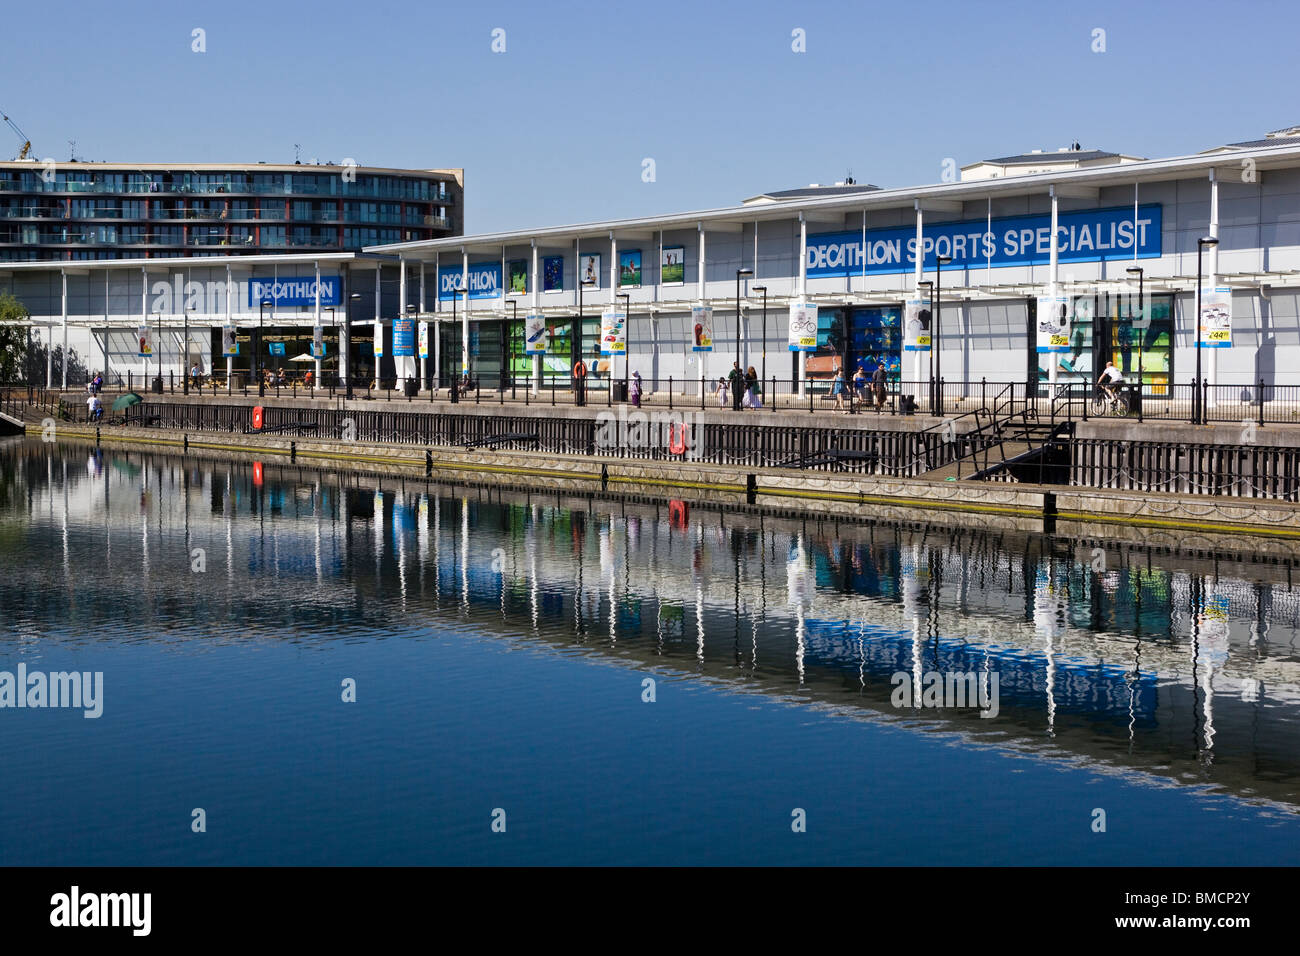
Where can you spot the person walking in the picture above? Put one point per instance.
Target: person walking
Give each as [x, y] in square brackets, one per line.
[860, 385]
[721, 392]
[735, 382]
[752, 389]
[837, 390]
[879, 385]
[635, 391]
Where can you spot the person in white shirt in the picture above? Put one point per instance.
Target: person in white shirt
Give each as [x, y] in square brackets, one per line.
[1110, 375]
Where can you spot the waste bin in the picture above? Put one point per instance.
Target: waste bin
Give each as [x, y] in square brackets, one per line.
[1133, 392]
[158, 385]
[620, 391]
[412, 387]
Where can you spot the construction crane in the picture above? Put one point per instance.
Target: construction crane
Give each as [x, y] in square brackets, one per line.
[22, 137]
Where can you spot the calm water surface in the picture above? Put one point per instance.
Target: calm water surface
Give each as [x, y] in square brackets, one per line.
[501, 643]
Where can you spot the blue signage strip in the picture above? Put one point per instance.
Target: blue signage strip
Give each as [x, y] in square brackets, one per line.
[1091, 235]
[403, 338]
[484, 281]
[295, 291]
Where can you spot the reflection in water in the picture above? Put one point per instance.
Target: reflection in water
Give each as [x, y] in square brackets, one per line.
[1189, 676]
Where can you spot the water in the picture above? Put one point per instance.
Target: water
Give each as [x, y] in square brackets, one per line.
[500, 645]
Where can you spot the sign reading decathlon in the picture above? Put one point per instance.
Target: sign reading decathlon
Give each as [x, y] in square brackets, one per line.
[296, 291]
[484, 280]
[1091, 235]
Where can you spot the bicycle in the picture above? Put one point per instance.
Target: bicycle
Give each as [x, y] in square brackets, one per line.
[1116, 402]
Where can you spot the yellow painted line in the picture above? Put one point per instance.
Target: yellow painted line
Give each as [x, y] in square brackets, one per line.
[903, 502]
[1225, 527]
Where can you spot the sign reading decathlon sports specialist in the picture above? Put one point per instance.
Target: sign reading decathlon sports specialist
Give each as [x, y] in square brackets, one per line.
[613, 333]
[1090, 235]
[537, 337]
[483, 278]
[1053, 330]
[144, 335]
[318, 342]
[403, 338]
[229, 340]
[424, 339]
[295, 291]
[916, 324]
[1216, 319]
[702, 328]
[803, 327]
[379, 338]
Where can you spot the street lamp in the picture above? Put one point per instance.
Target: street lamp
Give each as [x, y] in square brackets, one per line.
[1131, 270]
[1198, 406]
[762, 374]
[334, 324]
[735, 389]
[261, 378]
[929, 294]
[936, 360]
[345, 367]
[627, 327]
[157, 311]
[185, 353]
[505, 351]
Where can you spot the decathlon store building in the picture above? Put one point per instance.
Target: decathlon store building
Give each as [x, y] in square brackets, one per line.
[844, 265]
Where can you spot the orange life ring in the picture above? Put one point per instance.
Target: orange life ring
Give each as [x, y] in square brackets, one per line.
[580, 369]
[257, 418]
[674, 445]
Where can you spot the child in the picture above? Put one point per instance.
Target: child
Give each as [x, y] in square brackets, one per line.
[721, 392]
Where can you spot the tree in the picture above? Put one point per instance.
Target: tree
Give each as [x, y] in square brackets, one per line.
[13, 339]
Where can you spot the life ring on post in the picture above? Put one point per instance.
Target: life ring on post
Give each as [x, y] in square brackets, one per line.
[580, 369]
[257, 418]
[675, 445]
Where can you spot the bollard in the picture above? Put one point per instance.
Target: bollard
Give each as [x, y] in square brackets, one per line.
[185, 441]
[751, 489]
[604, 476]
[96, 435]
[428, 462]
[293, 451]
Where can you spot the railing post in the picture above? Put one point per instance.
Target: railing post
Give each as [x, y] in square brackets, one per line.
[670, 393]
[1260, 395]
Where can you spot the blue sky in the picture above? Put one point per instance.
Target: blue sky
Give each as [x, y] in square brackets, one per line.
[555, 129]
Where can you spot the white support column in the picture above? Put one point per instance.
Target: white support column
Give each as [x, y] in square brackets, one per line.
[379, 327]
[401, 315]
[1053, 278]
[920, 372]
[464, 322]
[64, 275]
[230, 294]
[613, 295]
[803, 294]
[144, 318]
[1211, 282]
[536, 293]
[315, 379]
[700, 288]
[345, 330]
[424, 359]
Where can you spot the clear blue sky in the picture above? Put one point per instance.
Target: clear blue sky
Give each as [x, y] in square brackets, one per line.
[555, 129]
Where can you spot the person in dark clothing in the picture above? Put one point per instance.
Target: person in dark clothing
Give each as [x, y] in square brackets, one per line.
[736, 383]
[878, 385]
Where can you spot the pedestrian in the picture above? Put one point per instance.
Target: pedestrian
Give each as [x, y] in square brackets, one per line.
[736, 380]
[635, 391]
[99, 383]
[752, 389]
[878, 384]
[721, 392]
[837, 390]
[860, 385]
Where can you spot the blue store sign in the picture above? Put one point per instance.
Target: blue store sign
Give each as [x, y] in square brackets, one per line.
[484, 281]
[1091, 235]
[295, 291]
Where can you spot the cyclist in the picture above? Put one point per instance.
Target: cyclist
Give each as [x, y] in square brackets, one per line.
[1110, 376]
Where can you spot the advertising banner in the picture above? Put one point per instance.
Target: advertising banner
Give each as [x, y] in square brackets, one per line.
[916, 324]
[537, 336]
[484, 280]
[424, 339]
[403, 338]
[145, 337]
[672, 265]
[613, 333]
[1091, 235]
[1216, 319]
[629, 269]
[295, 291]
[803, 327]
[379, 338]
[589, 270]
[1053, 329]
[229, 340]
[518, 277]
[552, 273]
[702, 320]
[318, 342]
